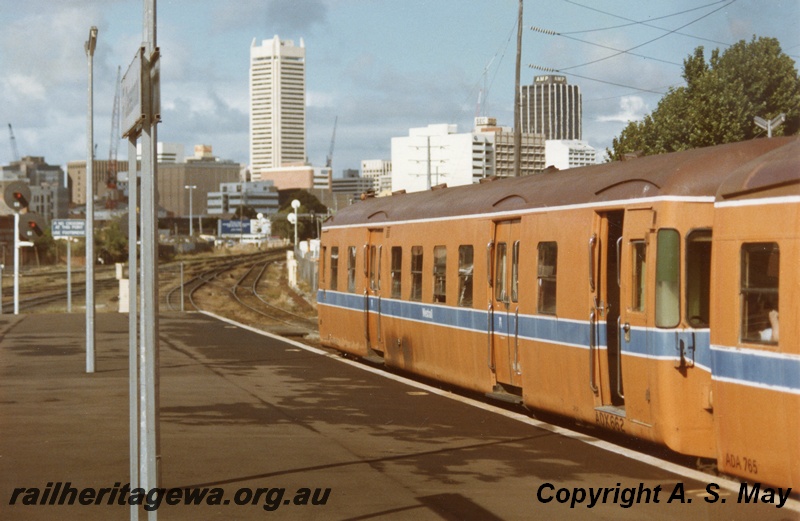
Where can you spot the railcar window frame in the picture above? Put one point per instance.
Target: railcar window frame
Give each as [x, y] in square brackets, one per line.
[500, 271]
[440, 274]
[466, 267]
[417, 254]
[351, 269]
[756, 290]
[698, 277]
[515, 272]
[333, 284]
[397, 271]
[668, 278]
[547, 277]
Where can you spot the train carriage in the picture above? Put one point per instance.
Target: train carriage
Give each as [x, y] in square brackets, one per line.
[592, 293]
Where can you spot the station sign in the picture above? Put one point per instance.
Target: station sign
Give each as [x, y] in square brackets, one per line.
[63, 228]
[234, 227]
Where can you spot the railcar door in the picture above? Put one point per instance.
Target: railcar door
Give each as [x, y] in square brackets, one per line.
[632, 337]
[505, 304]
[373, 253]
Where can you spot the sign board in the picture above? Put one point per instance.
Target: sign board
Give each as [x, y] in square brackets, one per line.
[234, 227]
[63, 228]
[131, 95]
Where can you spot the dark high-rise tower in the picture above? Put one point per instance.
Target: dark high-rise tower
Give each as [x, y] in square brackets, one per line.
[551, 107]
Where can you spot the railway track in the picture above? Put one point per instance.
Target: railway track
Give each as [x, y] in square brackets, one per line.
[249, 289]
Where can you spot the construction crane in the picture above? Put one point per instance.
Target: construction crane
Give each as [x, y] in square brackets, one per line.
[329, 159]
[14, 150]
[111, 179]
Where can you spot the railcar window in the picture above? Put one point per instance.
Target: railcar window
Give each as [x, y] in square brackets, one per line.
[375, 268]
[416, 273]
[351, 269]
[334, 268]
[397, 267]
[439, 274]
[698, 277]
[500, 272]
[546, 277]
[668, 274]
[465, 267]
[514, 271]
[639, 273]
[759, 292]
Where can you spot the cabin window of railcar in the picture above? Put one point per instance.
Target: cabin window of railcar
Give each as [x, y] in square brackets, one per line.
[416, 273]
[334, 268]
[397, 267]
[759, 290]
[546, 277]
[639, 273]
[501, 294]
[514, 271]
[351, 269]
[698, 277]
[440, 274]
[465, 267]
[375, 268]
[668, 274]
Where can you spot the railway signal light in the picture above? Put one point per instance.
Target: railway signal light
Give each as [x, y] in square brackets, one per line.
[31, 226]
[17, 196]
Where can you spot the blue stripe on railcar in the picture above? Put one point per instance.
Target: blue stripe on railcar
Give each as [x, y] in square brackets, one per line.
[756, 368]
[753, 368]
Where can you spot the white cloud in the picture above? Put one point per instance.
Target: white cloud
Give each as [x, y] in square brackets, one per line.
[632, 108]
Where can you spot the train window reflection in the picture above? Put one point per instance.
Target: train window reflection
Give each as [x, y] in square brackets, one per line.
[416, 273]
[440, 274]
[397, 267]
[351, 269]
[759, 292]
[546, 277]
[465, 267]
[500, 273]
[668, 273]
[639, 272]
[334, 268]
[698, 277]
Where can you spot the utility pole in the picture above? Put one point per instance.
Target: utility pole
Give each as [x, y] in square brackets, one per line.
[91, 43]
[517, 119]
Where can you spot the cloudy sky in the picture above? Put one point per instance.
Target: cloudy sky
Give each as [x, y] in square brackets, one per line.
[380, 66]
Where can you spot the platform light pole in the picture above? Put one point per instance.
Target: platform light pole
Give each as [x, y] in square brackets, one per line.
[191, 216]
[295, 206]
[90, 45]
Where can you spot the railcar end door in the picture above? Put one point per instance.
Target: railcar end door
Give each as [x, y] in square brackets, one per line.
[505, 304]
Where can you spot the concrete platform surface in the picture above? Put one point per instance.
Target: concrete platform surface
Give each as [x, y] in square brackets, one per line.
[295, 434]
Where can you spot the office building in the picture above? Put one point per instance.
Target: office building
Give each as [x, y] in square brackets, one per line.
[277, 105]
[551, 107]
[564, 154]
[260, 196]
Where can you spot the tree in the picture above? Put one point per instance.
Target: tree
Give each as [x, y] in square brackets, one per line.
[306, 228]
[719, 101]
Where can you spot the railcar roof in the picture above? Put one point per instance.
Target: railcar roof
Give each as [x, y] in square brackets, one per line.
[701, 172]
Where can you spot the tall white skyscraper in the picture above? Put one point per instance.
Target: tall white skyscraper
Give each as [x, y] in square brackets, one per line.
[277, 104]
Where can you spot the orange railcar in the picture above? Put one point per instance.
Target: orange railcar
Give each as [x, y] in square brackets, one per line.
[626, 294]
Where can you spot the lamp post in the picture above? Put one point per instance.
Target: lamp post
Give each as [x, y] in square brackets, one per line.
[191, 216]
[295, 206]
[90, 45]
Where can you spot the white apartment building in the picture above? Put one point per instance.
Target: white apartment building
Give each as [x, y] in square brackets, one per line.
[380, 171]
[277, 104]
[569, 153]
[438, 154]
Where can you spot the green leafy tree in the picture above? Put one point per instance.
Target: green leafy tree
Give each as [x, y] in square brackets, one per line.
[719, 101]
[306, 227]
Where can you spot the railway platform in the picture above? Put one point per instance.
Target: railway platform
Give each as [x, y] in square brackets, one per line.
[257, 427]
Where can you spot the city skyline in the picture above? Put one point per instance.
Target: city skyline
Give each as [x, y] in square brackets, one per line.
[381, 68]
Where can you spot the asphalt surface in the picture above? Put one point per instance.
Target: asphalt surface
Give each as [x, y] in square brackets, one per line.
[240, 411]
